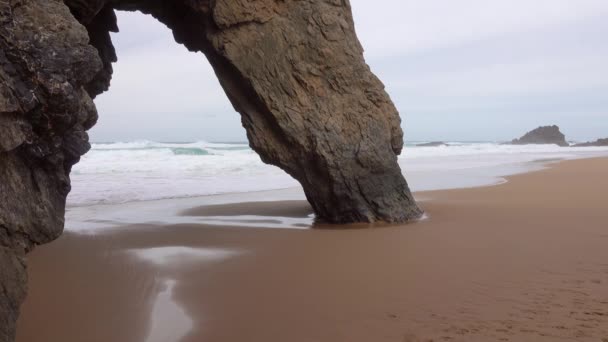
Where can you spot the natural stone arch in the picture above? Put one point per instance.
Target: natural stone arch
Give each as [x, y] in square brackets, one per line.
[294, 70]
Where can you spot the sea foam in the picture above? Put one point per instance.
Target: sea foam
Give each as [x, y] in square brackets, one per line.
[146, 170]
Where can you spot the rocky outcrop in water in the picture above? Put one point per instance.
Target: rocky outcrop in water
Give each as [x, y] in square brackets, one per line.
[432, 144]
[294, 70]
[599, 142]
[543, 135]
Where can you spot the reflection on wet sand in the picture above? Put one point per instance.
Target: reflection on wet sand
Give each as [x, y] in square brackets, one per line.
[169, 322]
[117, 285]
[293, 209]
[83, 288]
[294, 214]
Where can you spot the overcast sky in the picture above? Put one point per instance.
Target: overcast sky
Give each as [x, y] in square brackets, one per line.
[461, 70]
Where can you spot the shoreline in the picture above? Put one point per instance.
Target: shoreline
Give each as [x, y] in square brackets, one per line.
[87, 218]
[523, 260]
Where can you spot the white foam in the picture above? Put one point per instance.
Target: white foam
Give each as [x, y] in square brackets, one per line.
[145, 170]
[125, 172]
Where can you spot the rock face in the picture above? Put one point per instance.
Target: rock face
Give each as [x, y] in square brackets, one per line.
[543, 135]
[599, 142]
[45, 60]
[294, 70]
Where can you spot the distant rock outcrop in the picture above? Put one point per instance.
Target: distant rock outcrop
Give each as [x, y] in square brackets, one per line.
[543, 135]
[599, 142]
[294, 70]
[432, 144]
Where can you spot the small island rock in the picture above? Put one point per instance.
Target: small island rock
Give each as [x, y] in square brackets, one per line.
[543, 135]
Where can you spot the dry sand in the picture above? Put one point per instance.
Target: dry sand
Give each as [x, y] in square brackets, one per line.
[522, 261]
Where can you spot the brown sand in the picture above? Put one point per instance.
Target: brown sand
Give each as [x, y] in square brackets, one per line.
[522, 261]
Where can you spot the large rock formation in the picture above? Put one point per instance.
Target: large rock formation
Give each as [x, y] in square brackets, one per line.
[294, 70]
[598, 142]
[543, 135]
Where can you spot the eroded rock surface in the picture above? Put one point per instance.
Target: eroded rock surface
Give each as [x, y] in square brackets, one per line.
[543, 135]
[45, 60]
[294, 70]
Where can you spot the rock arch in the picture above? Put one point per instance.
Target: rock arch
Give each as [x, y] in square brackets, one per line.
[294, 70]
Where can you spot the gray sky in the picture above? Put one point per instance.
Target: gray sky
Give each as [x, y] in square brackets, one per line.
[457, 70]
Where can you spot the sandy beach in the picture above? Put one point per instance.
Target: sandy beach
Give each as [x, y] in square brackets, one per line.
[522, 261]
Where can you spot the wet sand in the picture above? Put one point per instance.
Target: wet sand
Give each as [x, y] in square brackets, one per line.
[521, 261]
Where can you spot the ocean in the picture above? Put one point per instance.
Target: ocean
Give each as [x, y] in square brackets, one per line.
[122, 172]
